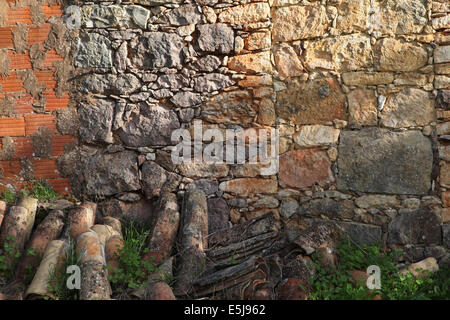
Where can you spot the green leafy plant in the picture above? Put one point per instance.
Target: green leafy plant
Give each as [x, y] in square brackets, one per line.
[58, 277]
[30, 269]
[43, 191]
[9, 257]
[9, 196]
[335, 282]
[133, 271]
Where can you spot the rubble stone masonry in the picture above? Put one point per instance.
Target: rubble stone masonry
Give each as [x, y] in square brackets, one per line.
[359, 90]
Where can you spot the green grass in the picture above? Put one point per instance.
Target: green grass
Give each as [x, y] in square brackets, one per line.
[58, 277]
[9, 258]
[44, 192]
[39, 189]
[9, 196]
[335, 283]
[133, 271]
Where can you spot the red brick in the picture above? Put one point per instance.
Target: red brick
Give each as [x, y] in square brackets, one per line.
[24, 104]
[46, 77]
[21, 15]
[50, 57]
[19, 60]
[61, 186]
[55, 10]
[59, 142]
[6, 38]
[10, 169]
[12, 83]
[13, 127]
[45, 168]
[38, 34]
[23, 147]
[53, 102]
[34, 121]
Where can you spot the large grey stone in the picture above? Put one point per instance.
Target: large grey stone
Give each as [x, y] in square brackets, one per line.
[421, 226]
[141, 211]
[206, 185]
[184, 15]
[106, 84]
[149, 126]
[156, 180]
[212, 82]
[230, 107]
[361, 233]
[218, 215]
[95, 175]
[172, 81]
[114, 16]
[446, 235]
[208, 63]
[378, 161]
[126, 84]
[186, 99]
[96, 121]
[408, 108]
[157, 50]
[93, 50]
[153, 3]
[327, 207]
[216, 38]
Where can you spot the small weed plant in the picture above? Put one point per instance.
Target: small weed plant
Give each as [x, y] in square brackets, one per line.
[9, 258]
[335, 282]
[58, 278]
[133, 271]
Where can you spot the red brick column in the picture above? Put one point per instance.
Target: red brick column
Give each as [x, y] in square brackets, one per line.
[31, 94]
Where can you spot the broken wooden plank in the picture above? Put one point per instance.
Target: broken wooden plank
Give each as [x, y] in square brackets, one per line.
[248, 229]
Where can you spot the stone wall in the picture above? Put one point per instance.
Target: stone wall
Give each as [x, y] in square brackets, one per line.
[359, 91]
[33, 93]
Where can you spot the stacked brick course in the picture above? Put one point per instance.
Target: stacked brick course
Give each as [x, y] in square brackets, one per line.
[31, 93]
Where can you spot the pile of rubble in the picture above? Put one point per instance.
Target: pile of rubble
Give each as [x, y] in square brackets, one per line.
[254, 260]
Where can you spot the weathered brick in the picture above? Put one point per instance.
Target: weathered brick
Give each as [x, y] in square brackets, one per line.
[11, 83]
[38, 34]
[34, 121]
[54, 10]
[24, 104]
[50, 57]
[6, 38]
[61, 186]
[10, 169]
[12, 127]
[23, 147]
[59, 142]
[46, 77]
[19, 60]
[45, 168]
[53, 102]
[20, 15]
